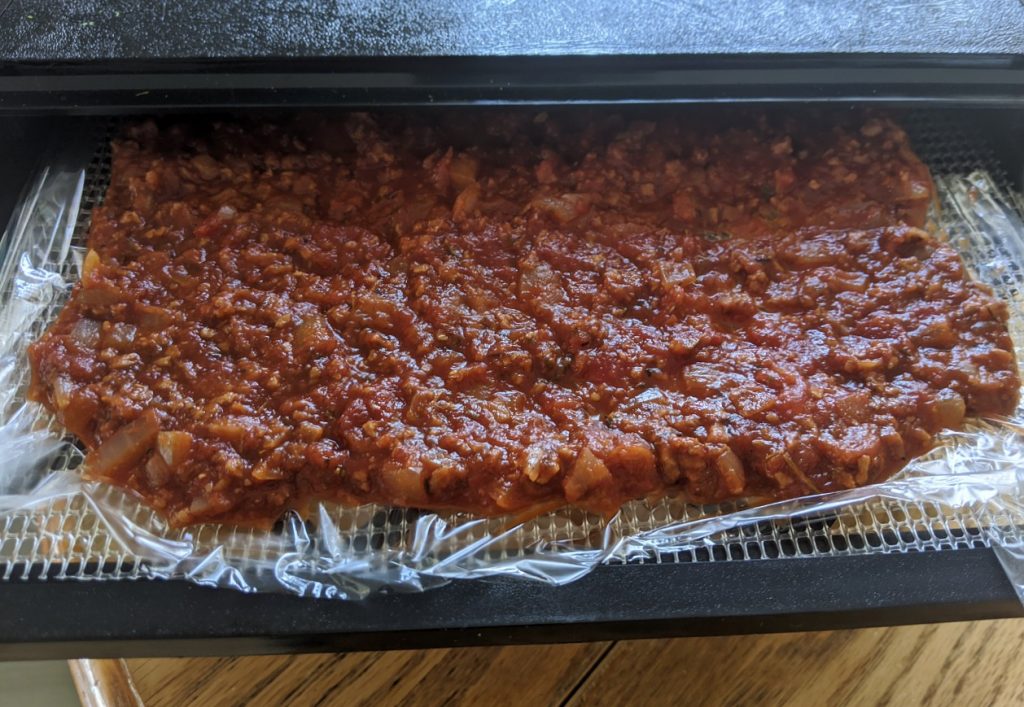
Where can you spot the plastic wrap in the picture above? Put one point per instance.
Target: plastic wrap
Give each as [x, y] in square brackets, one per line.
[966, 492]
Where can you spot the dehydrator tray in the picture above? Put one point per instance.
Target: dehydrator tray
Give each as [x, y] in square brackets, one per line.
[965, 495]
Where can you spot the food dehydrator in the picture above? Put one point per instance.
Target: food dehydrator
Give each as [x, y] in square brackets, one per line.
[953, 72]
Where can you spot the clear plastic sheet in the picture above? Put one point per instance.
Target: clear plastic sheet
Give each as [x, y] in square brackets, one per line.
[966, 492]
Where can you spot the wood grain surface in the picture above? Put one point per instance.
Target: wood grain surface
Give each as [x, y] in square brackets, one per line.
[104, 683]
[533, 675]
[976, 663]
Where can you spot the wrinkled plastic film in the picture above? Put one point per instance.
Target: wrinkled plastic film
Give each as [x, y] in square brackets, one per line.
[965, 493]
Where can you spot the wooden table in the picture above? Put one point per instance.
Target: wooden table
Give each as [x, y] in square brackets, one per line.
[962, 663]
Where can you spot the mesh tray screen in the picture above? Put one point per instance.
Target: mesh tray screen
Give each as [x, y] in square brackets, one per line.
[66, 538]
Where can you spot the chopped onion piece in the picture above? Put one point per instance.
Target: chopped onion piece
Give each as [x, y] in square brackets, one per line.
[174, 446]
[124, 448]
[86, 333]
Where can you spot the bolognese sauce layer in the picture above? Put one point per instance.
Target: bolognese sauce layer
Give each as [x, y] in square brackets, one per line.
[508, 312]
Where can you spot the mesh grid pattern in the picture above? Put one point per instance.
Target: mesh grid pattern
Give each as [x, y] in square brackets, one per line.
[67, 537]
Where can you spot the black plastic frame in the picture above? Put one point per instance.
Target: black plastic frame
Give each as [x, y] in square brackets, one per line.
[116, 86]
[47, 620]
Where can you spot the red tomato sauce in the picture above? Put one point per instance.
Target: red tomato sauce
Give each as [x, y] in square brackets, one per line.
[500, 312]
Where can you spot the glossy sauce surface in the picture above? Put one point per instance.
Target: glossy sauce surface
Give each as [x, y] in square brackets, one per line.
[505, 312]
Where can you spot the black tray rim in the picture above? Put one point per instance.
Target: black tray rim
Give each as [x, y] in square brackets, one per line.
[123, 85]
[67, 619]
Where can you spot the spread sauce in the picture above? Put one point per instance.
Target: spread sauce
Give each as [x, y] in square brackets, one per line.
[501, 311]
